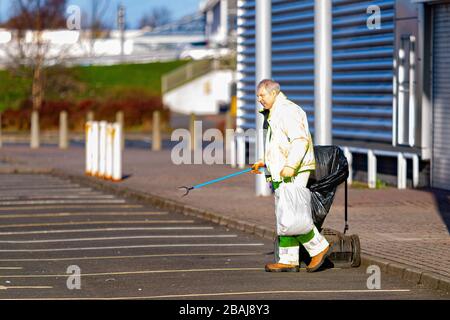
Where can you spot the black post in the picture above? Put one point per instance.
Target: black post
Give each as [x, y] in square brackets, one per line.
[345, 209]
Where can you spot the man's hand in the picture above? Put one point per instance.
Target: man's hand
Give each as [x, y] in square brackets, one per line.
[256, 167]
[287, 172]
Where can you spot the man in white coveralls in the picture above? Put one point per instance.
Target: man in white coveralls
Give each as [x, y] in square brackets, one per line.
[289, 156]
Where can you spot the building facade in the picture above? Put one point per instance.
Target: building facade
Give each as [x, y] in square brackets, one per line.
[390, 92]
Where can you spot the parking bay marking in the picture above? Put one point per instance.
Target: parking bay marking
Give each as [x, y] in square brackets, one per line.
[137, 256]
[74, 214]
[92, 206]
[39, 202]
[124, 273]
[117, 238]
[94, 223]
[103, 230]
[25, 287]
[217, 294]
[189, 245]
[193, 295]
[44, 197]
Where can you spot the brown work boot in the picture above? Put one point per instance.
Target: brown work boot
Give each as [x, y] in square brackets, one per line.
[318, 260]
[281, 267]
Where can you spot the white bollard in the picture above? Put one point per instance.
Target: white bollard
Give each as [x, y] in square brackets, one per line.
[156, 136]
[93, 146]
[349, 157]
[117, 151]
[35, 139]
[102, 149]
[88, 147]
[240, 143]
[63, 130]
[415, 171]
[371, 169]
[109, 151]
[401, 171]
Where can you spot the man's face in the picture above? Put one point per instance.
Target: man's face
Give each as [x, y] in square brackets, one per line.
[267, 99]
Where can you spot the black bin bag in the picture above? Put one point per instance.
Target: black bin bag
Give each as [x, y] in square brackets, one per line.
[331, 171]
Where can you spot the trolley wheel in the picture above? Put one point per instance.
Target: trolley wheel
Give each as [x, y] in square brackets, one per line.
[356, 261]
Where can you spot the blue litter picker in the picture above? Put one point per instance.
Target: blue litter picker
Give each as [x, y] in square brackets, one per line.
[198, 186]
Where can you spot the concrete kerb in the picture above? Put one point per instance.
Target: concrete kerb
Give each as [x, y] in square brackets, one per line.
[405, 272]
[408, 273]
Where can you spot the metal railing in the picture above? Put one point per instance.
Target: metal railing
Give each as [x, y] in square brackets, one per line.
[192, 70]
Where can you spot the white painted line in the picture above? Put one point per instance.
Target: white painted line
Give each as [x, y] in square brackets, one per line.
[23, 287]
[245, 254]
[11, 268]
[104, 229]
[43, 189]
[189, 245]
[42, 186]
[61, 197]
[118, 238]
[124, 273]
[224, 294]
[81, 214]
[39, 202]
[93, 223]
[116, 206]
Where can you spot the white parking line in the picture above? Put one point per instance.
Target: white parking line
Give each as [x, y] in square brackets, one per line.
[39, 186]
[81, 214]
[104, 229]
[116, 206]
[25, 287]
[124, 273]
[225, 294]
[11, 268]
[43, 190]
[47, 197]
[136, 256]
[189, 245]
[93, 223]
[119, 238]
[246, 293]
[39, 202]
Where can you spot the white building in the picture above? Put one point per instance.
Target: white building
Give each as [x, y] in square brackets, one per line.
[167, 42]
[203, 87]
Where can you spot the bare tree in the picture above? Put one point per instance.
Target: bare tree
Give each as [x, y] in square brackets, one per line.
[29, 53]
[157, 17]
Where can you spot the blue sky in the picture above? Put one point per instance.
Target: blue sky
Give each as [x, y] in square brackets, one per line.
[135, 8]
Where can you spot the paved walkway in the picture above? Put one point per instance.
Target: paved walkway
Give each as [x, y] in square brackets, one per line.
[409, 227]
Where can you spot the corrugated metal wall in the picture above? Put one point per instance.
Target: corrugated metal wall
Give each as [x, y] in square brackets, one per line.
[441, 96]
[362, 64]
[292, 55]
[362, 71]
[246, 64]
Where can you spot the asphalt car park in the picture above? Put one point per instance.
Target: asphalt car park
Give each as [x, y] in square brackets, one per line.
[62, 240]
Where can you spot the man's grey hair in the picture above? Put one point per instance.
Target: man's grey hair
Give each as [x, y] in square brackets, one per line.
[269, 85]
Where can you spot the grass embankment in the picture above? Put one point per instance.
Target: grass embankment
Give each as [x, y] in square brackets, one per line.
[132, 88]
